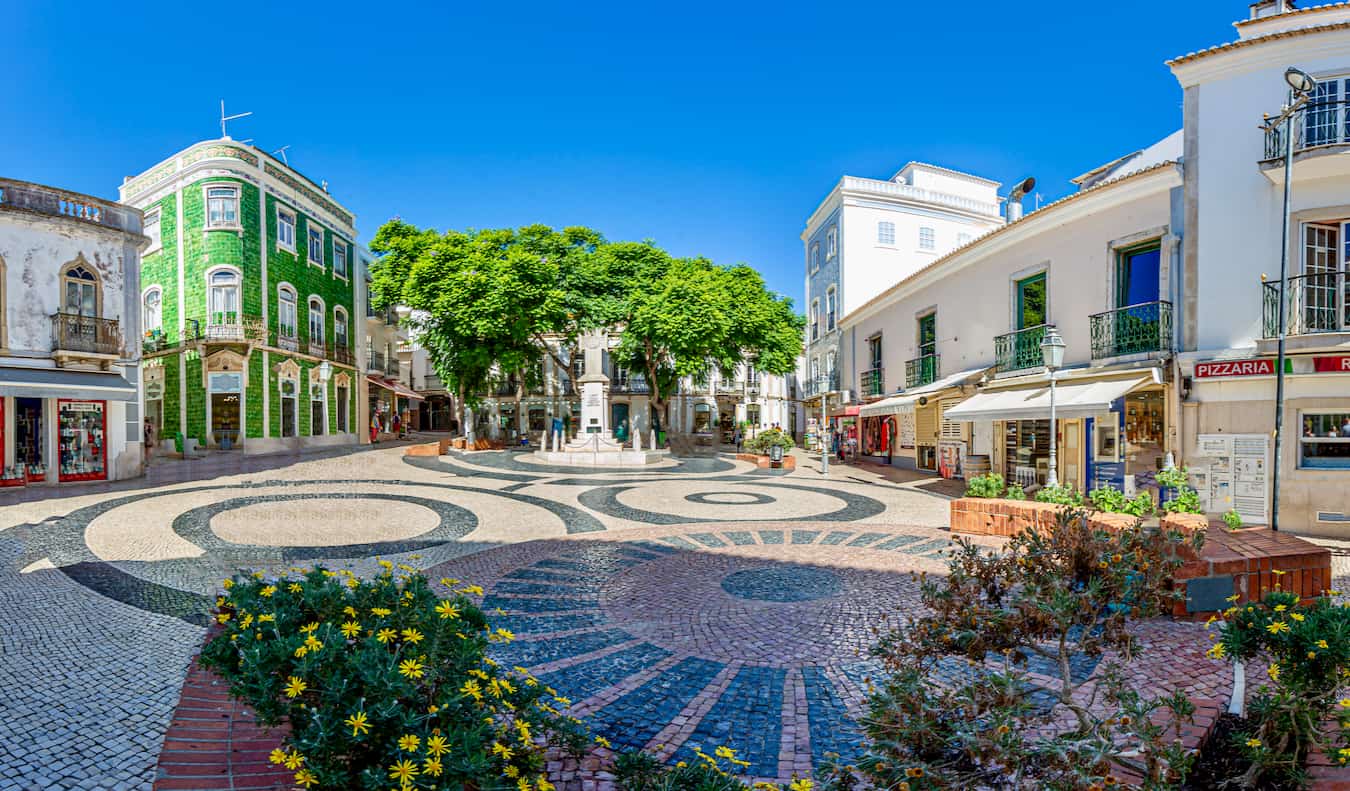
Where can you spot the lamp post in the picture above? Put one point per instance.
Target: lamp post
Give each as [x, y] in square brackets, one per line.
[1301, 86]
[752, 396]
[1052, 354]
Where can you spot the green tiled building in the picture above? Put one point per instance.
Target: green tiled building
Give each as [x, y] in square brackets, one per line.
[248, 302]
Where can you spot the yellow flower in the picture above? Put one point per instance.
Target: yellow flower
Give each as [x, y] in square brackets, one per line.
[412, 635]
[1322, 644]
[1278, 573]
[436, 746]
[447, 610]
[432, 766]
[247, 620]
[301, 651]
[267, 618]
[500, 749]
[725, 752]
[1253, 743]
[294, 587]
[800, 785]
[277, 756]
[603, 742]
[511, 771]
[1296, 616]
[1277, 627]
[1215, 651]
[357, 722]
[380, 611]
[228, 584]
[403, 771]
[353, 584]
[312, 643]
[472, 590]
[385, 635]
[1274, 672]
[386, 565]
[410, 668]
[472, 689]
[409, 742]
[349, 611]
[306, 778]
[1312, 654]
[1345, 703]
[504, 635]
[544, 785]
[222, 617]
[268, 591]
[296, 687]
[1280, 608]
[351, 629]
[294, 760]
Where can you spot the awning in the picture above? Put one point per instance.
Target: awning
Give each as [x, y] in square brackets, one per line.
[397, 388]
[848, 411]
[1072, 400]
[905, 401]
[61, 383]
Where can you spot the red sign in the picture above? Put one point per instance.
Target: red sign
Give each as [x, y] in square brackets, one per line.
[1332, 365]
[1260, 367]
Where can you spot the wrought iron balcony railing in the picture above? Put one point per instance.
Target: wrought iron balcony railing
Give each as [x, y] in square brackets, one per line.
[169, 338]
[922, 370]
[234, 327]
[632, 384]
[1318, 123]
[815, 387]
[872, 382]
[1021, 349]
[75, 333]
[1134, 329]
[341, 353]
[375, 362]
[1314, 304]
[286, 338]
[317, 348]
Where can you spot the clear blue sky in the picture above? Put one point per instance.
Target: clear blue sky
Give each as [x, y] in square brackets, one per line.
[713, 129]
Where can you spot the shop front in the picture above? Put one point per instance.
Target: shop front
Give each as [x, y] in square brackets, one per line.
[390, 399]
[60, 426]
[910, 430]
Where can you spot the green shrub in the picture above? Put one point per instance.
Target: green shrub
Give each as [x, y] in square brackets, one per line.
[766, 439]
[1232, 519]
[1109, 498]
[640, 771]
[1051, 594]
[1015, 492]
[383, 683]
[1059, 495]
[987, 485]
[1308, 650]
[1187, 499]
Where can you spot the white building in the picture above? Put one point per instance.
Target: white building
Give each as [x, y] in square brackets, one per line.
[69, 336]
[388, 388]
[749, 398]
[868, 234]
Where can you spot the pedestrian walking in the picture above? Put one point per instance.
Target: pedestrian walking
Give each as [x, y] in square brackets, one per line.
[740, 439]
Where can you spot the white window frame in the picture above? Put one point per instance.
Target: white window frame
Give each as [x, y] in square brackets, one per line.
[815, 257]
[151, 220]
[322, 390]
[294, 223]
[312, 227]
[283, 289]
[832, 242]
[815, 319]
[311, 314]
[207, 225]
[341, 319]
[886, 233]
[927, 237]
[295, 411]
[831, 304]
[340, 245]
[238, 287]
[342, 408]
[1341, 439]
[147, 327]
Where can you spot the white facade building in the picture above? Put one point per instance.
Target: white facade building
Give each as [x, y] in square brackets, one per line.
[69, 337]
[750, 399]
[388, 387]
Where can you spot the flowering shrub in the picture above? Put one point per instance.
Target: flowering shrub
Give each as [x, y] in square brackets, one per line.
[639, 771]
[766, 439]
[1308, 647]
[384, 684]
[1059, 495]
[1050, 595]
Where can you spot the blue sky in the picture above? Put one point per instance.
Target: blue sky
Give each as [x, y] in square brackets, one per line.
[713, 129]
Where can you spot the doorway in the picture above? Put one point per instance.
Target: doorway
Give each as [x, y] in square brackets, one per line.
[1071, 454]
[618, 421]
[28, 432]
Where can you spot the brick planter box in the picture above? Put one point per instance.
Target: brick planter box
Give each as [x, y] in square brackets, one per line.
[985, 516]
[762, 462]
[439, 448]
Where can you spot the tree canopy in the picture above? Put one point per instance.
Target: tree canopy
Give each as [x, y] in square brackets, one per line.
[487, 303]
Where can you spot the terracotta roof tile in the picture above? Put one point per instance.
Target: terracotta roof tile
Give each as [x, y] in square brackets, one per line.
[1253, 41]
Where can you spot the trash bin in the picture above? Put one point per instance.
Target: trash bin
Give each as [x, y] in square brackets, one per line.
[775, 455]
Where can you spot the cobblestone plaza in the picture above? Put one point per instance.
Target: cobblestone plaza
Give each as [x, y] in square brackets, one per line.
[698, 604]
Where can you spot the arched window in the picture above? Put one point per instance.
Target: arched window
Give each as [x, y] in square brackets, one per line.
[315, 320]
[151, 309]
[81, 287]
[286, 317]
[340, 327]
[223, 297]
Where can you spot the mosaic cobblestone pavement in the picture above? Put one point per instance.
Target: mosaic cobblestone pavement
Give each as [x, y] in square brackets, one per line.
[697, 604]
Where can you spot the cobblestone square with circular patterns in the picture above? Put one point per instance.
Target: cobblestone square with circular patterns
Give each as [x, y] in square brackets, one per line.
[700, 604]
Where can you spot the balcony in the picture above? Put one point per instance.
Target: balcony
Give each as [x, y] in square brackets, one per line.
[1019, 350]
[1320, 128]
[72, 205]
[1145, 328]
[342, 353]
[166, 340]
[631, 384]
[375, 363]
[432, 383]
[316, 348]
[234, 327]
[922, 370]
[892, 189]
[872, 383]
[75, 336]
[729, 387]
[815, 387]
[1317, 304]
[286, 339]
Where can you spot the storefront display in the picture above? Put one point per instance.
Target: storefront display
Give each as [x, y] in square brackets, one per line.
[1145, 438]
[1026, 451]
[29, 429]
[81, 442]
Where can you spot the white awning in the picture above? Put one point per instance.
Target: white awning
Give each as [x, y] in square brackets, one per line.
[1072, 400]
[61, 383]
[905, 402]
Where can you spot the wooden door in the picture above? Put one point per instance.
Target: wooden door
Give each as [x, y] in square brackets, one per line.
[1071, 454]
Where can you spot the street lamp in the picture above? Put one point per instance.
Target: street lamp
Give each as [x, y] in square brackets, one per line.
[752, 396]
[1300, 85]
[1052, 354]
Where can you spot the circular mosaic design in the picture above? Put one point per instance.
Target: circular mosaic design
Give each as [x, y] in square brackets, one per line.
[290, 523]
[783, 583]
[730, 498]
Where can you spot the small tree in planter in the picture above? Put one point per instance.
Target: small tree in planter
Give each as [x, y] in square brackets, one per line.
[384, 684]
[768, 438]
[1049, 598]
[1308, 647]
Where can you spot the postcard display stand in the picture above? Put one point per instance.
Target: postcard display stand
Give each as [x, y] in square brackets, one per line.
[82, 446]
[1230, 473]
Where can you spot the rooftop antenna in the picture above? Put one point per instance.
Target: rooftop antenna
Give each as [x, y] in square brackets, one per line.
[282, 152]
[1038, 201]
[224, 118]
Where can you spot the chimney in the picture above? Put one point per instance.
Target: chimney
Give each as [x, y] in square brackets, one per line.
[1268, 8]
[1014, 211]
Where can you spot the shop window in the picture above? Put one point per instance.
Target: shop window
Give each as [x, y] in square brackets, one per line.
[1026, 447]
[29, 430]
[536, 418]
[1324, 443]
[702, 418]
[318, 410]
[226, 389]
[81, 445]
[342, 397]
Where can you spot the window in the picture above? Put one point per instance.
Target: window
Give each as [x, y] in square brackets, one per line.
[151, 315]
[150, 226]
[874, 352]
[829, 309]
[81, 286]
[223, 297]
[1325, 441]
[1137, 275]
[885, 232]
[316, 247]
[342, 397]
[318, 410]
[927, 238]
[815, 319]
[288, 410]
[928, 335]
[315, 320]
[831, 243]
[815, 257]
[830, 359]
[339, 258]
[222, 207]
[1324, 291]
[1322, 121]
[286, 229]
[1031, 303]
[340, 327]
[286, 324]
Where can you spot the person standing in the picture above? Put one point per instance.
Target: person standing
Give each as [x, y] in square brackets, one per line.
[739, 438]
